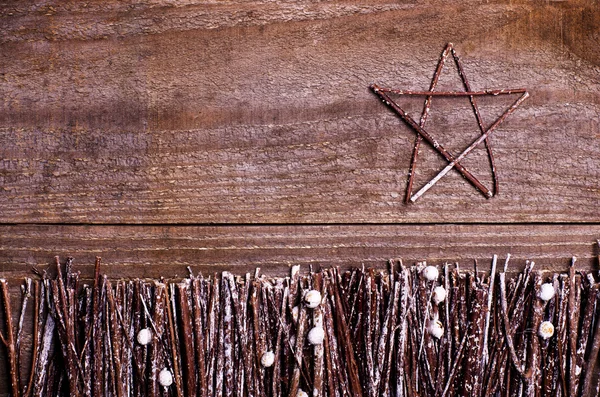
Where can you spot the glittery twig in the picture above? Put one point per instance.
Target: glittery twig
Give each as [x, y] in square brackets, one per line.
[472, 146]
[433, 142]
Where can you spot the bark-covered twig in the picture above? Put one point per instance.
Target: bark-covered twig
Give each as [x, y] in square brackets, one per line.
[9, 340]
[588, 389]
[507, 327]
[318, 349]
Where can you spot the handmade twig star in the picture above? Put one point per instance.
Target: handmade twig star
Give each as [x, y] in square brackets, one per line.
[453, 161]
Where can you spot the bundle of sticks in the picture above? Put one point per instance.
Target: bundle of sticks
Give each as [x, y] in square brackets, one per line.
[403, 331]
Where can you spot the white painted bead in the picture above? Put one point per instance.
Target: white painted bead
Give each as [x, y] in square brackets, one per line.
[439, 294]
[316, 336]
[431, 273]
[267, 359]
[144, 336]
[165, 378]
[546, 329]
[546, 292]
[302, 393]
[295, 313]
[436, 329]
[312, 298]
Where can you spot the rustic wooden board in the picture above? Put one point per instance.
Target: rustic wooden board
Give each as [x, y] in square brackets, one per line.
[166, 251]
[259, 112]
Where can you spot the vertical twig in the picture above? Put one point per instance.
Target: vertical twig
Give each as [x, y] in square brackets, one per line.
[573, 324]
[318, 350]
[199, 331]
[37, 312]
[9, 341]
[590, 366]
[485, 356]
[187, 334]
[295, 381]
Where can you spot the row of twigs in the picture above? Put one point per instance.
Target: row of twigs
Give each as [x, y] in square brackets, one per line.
[210, 333]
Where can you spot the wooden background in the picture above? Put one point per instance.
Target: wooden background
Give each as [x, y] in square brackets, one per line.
[234, 134]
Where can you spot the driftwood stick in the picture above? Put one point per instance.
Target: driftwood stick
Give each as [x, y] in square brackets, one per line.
[199, 337]
[298, 354]
[486, 353]
[158, 323]
[47, 341]
[455, 366]
[213, 334]
[368, 333]
[239, 299]
[227, 332]
[259, 337]
[220, 364]
[403, 279]
[454, 93]
[86, 351]
[37, 313]
[423, 121]
[507, 326]
[97, 332]
[549, 350]
[355, 386]
[447, 325]
[337, 375]
[174, 343]
[110, 384]
[187, 333]
[477, 315]
[561, 336]
[318, 350]
[116, 340]
[9, 341]
[279, 344]
[389, 338]
[588, 388]
[532, 373]
[63, 305]
[573, 325]
[26, 294]
[487, 142]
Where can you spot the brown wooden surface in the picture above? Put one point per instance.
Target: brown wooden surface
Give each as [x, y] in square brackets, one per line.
[128, 128]
[259, 112]
[166, 251]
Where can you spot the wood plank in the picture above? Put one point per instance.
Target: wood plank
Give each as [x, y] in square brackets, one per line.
[246, 112]
[166, 251]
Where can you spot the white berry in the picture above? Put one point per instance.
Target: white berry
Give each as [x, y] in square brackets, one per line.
[431, 273]
[302, 393]
[546, 292]
[312, 298]
[144, 336]
[295, 313]
[267, 359]
[165, 378]
[439, 294]
[436, 329]
[546, 329]
[316, 336]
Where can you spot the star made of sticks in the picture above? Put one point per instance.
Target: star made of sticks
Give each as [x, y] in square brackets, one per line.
[453, 161]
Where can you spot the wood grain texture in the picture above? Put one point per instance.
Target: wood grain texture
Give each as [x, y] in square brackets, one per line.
[166, 251]
[259, 112]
